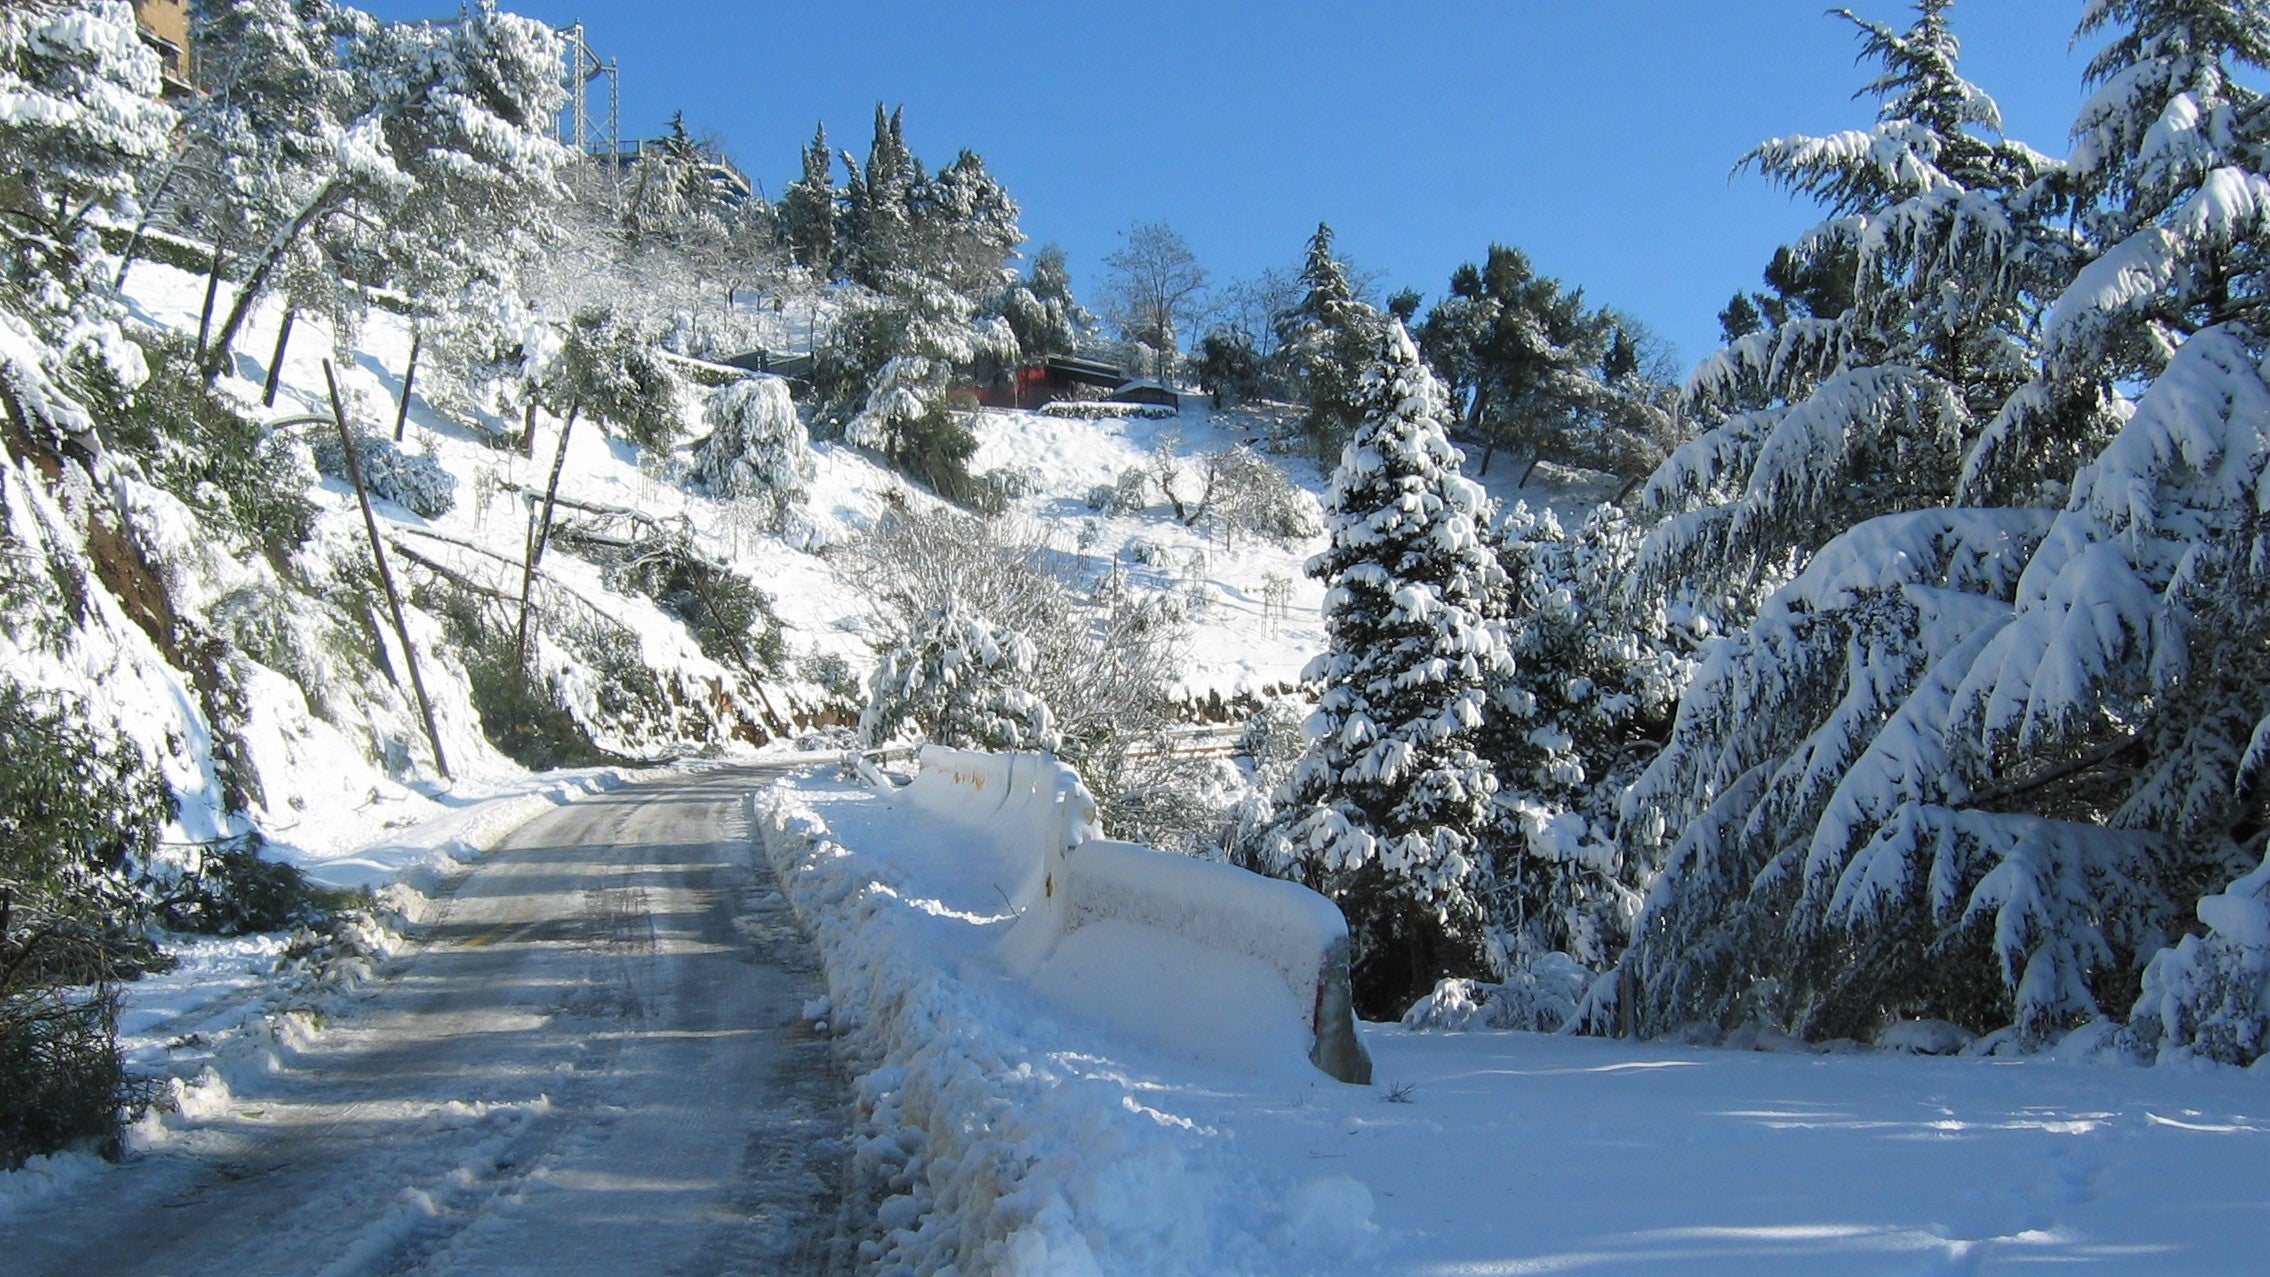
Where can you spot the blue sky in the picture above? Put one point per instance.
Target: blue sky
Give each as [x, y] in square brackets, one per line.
[1598, 135]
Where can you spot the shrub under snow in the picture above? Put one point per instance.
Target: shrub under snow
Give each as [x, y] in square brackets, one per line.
[412, 480]
[757, 446]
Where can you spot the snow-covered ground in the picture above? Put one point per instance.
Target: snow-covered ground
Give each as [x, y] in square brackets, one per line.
[1024, 1136]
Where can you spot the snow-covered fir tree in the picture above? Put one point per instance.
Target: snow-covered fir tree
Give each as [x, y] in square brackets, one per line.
[808, 208]
[1384, 812]
[965, 230]
[877, 227]
[671, 200]
[1817, 423]
[1984, 764]
[1594, 679]
[1328, 342]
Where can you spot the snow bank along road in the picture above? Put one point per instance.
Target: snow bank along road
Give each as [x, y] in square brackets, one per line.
[592, 1066]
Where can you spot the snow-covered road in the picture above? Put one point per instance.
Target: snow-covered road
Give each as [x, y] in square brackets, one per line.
[594, 1065]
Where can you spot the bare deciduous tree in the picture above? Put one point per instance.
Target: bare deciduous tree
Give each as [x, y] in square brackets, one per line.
[1153, 291]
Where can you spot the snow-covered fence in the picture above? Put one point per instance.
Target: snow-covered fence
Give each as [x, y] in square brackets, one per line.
[1077, 880]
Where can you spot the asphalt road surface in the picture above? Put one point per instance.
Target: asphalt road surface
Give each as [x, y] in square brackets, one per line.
[592, 1065]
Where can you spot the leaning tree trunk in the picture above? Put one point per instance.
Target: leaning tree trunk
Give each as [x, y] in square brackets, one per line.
[543, 533]
[216, 357]
[212, 288]
[385, 577]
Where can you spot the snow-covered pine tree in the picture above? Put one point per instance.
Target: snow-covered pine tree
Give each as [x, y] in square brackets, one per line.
[1328, 343]
[1815, 424]
[909, 412]
[266, 131]
[878, 222]
[808, 208]
[1526, 359]
[931, 254]
[77, 119]
[607, 371]
[757, 446]
[1385, 811]
[1981, 764]
[435, 182]
[671, 201]
[1041, 311]
[964, 229]
[1593, 681]
[470, 111]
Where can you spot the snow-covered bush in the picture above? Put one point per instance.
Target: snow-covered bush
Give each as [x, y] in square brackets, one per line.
[956, 679]
[195, 444]
[63, 1081]
[1273, 739]
[1538, 995]
[1130, 493]
[728, 615]
[80, 815]
[1102, 410]
[834, 676]
[1233, 490]
[1252, 494]
[2209, 996]
[413, 480]
[1102, 659]
[757, 448]
[1011, 483]
[522, 717]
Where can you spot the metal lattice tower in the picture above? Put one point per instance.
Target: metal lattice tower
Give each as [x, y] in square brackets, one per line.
[583, 65]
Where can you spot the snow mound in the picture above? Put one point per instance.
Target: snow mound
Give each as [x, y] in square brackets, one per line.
[998, 1137]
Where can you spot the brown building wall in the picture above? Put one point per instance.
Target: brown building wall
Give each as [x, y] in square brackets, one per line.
[167, 23]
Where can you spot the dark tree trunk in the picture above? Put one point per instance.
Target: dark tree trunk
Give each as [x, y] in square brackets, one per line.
[212, 289]
[276, 361]
[543, 533]
[409, 380]
[1528, 470]
[256, 280]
